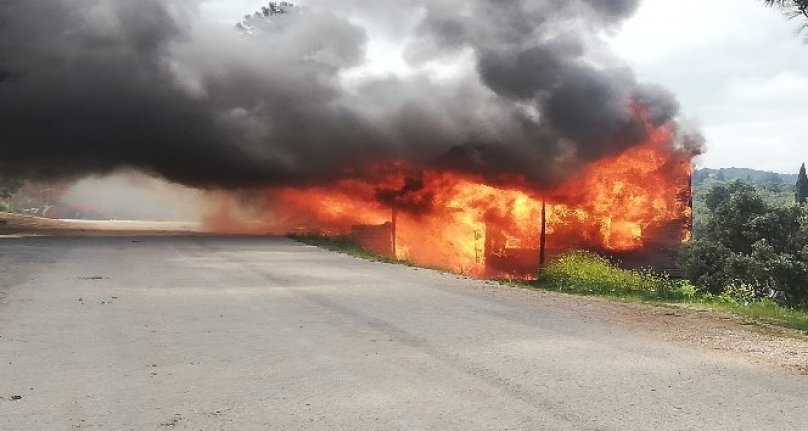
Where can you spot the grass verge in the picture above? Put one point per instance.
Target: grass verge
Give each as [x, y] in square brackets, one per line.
[588, 274]
[343, 245]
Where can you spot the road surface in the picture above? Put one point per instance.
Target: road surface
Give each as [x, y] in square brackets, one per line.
[205, 333]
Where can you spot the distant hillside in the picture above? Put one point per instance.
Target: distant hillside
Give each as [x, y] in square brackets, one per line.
[753, 176]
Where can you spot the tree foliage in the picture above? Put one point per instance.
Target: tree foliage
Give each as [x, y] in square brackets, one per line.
[802, 186]
[750, 244]
[793, 9]
[263, 16]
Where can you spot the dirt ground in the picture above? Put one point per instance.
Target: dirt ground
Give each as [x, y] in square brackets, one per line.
[718, 331]
[23, 225]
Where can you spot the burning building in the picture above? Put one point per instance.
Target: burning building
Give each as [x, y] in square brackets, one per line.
[499, 111]
[634, 205]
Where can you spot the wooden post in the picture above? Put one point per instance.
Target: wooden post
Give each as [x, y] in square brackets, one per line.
[543, 239]
[393, 233]
[690, 194]
[691, 210]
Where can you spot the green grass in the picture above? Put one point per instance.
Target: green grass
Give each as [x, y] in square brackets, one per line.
[343, 245]
[346, 245]
[764, 311]
[588, 274]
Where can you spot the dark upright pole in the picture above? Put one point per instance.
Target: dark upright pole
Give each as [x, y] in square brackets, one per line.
[393, 233]
[543, 239]
[691, 215]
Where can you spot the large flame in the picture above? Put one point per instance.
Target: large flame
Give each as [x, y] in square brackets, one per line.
[464, 224]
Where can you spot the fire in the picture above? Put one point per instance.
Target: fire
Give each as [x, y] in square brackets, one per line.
[462, 223]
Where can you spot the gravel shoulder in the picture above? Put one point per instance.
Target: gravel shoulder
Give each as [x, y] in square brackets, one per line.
[713, 330]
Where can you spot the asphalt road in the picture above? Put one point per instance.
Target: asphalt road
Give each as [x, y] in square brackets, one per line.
[203, 333]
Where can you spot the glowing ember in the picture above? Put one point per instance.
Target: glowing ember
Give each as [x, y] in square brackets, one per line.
[462, 223]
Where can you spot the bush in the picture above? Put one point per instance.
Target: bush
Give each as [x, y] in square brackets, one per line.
[739, 294]
[704, 265]
[589, 273]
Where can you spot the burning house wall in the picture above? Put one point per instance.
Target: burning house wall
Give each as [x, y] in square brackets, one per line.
[378, 239]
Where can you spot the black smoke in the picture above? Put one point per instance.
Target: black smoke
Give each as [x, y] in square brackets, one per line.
[90, 86]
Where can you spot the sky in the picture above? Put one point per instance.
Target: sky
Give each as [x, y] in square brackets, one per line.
[739, 70]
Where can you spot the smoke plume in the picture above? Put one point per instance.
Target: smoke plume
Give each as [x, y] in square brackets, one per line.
[90, 86]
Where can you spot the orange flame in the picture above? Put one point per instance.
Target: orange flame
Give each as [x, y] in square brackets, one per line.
[462, 223]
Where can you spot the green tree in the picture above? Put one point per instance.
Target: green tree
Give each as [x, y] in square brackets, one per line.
[699, 176]
[263, 18]
[750, 244]
[802, 186]
[773, 179]
[793, 9]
